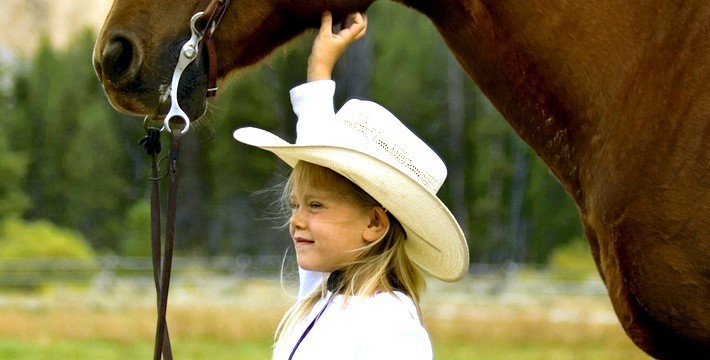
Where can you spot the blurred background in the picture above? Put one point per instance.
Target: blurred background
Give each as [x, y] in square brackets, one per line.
[75, 280]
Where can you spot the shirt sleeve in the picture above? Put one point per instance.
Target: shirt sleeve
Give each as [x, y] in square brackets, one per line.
[313, 104]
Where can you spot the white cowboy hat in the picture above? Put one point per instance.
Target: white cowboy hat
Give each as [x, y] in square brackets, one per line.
[373, 149]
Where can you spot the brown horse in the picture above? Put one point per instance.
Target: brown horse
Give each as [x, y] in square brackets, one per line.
[613, 95]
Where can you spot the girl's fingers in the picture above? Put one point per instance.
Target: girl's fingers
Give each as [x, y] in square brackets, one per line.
[356, 30]
[360, 25]
[360, 18]
[326, 24]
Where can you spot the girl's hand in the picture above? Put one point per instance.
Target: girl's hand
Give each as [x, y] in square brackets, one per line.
[327, 47]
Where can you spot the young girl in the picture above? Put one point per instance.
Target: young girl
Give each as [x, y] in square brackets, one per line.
[364, 216]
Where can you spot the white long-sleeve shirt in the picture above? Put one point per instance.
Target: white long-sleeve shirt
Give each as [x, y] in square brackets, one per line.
[384, 326]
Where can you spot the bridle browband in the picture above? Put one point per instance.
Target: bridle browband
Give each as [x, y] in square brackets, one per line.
[202, 26]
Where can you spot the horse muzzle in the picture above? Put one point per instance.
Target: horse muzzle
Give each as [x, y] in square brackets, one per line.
[137, 84]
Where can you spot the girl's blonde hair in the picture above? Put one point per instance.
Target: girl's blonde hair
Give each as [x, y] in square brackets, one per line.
[381, 266]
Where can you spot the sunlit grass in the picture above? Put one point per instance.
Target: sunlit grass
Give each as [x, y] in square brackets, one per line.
[194, 349]
[510, 339]
[237, 321]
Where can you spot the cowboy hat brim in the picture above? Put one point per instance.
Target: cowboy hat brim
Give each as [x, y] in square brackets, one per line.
[435, 242]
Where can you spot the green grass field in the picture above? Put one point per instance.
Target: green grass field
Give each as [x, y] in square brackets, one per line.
[235, 320]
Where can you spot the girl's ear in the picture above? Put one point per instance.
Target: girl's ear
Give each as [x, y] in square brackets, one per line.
[378, 226]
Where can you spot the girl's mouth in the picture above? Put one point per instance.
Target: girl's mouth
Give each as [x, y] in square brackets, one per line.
[303, 242]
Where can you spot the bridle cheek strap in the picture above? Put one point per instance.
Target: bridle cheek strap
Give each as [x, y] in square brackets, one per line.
[212, 70]
[214, 14]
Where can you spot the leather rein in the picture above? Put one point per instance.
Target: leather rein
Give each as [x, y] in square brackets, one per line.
[203, 25]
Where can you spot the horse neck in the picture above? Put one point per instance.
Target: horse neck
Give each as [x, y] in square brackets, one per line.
[308, 10]
[556, 72]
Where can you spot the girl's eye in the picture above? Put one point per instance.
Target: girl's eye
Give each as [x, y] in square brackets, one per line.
[294, 206]
[315, 205]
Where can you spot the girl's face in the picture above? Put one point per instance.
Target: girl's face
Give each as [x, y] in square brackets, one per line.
[328, 228]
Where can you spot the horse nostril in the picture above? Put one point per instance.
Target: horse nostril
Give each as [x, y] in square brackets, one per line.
[120, 60]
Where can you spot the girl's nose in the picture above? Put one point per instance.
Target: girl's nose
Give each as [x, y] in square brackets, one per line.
[297, 220]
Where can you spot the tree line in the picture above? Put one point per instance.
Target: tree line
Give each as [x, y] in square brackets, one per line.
[67, 157]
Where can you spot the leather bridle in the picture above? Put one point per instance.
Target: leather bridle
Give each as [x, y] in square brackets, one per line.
[202, 25]
[214, 13]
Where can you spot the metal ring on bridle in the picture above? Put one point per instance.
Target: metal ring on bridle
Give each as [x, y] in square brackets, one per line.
[166, 124]
[188, 54]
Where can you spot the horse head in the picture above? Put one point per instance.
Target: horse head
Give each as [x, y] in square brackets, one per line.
[138, 47]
